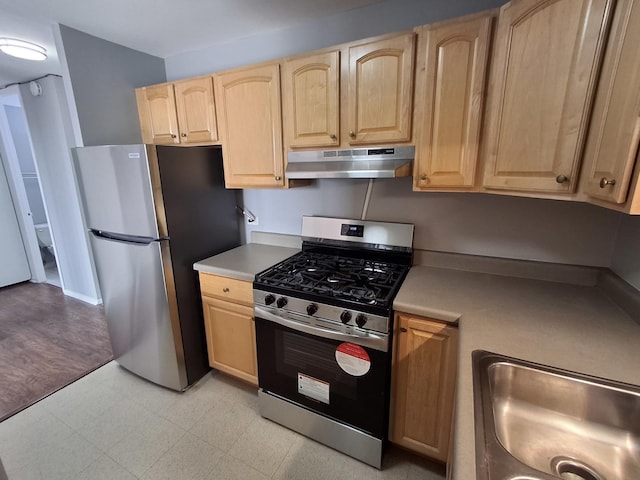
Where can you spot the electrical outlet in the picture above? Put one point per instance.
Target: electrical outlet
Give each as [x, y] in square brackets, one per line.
[255, 221]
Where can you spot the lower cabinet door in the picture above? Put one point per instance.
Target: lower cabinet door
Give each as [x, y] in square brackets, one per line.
[231, 338]
[424, 374]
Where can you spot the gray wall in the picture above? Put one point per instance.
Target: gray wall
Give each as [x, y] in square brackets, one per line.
[480, 224]
[103, 76]
[626, 257]
[385, 17]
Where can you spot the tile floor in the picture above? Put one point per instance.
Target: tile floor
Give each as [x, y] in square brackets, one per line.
[112, 425]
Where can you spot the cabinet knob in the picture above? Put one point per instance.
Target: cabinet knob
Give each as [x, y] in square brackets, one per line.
[173, 135]
[604, 182]
[423, 176]
[183, 134]
[562, 179]
[278, 178]
[225, 289]
[403, 330]
[352, 134]
[333, 136]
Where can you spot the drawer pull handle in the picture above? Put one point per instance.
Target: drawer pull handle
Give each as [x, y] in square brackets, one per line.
[225, 289]
[604, 182]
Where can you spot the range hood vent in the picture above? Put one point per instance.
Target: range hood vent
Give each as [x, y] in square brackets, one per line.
[376, 162]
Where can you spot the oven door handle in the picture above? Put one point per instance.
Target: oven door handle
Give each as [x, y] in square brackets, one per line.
[366, 339]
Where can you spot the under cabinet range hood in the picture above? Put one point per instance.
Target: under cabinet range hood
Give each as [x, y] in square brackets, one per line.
[375, 162]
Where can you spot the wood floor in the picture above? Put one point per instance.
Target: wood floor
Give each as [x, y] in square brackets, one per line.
[47, 340]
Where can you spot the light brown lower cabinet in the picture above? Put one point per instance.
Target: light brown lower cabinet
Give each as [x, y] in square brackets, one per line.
[229, 326]
[423, 385]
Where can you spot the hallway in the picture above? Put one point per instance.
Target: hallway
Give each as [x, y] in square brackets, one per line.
[47, 340]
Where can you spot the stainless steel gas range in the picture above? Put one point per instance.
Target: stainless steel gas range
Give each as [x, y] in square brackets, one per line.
[323, 333]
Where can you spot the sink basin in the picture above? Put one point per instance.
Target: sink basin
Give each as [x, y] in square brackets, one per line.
[537, 422]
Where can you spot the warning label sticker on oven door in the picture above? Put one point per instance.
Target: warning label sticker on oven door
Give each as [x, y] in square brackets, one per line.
[353, 359]
[313, 388]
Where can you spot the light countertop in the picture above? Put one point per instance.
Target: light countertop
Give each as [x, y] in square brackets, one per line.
[245, 261]
[573, 327]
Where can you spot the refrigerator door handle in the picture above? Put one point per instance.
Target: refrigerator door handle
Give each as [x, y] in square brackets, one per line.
[125, 238]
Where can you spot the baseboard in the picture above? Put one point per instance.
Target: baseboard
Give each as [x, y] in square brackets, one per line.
[83, 298]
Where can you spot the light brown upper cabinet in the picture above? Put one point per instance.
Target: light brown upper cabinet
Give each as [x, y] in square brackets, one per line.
[157, 112]
[178, 113]
[311, 100]
[545, 63]
[250, 125]
[450, 83]
[610, 153]
[196, 111]
[380, 90]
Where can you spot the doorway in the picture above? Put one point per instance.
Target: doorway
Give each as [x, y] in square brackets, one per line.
[27, 192]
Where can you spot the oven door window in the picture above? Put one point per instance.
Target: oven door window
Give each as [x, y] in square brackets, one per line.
[303, 368]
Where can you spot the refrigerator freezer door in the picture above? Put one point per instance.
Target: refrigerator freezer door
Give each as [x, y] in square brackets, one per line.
[116, 188]
[136, 306]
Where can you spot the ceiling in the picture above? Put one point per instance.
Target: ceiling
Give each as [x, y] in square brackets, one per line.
[159, 27]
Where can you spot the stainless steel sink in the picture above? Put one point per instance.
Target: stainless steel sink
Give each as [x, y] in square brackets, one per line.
[537, 422]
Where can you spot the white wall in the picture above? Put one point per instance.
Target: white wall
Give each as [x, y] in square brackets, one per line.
[49, 126]
[21, 141]
[384, 17]
[626, 257]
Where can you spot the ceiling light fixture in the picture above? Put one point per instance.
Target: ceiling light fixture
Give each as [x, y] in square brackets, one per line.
[22, 49]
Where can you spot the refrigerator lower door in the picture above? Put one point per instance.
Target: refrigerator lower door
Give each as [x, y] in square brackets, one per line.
[144, 339]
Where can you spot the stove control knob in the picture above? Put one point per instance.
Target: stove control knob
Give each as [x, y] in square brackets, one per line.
[282, 301]
[312, 308]
[361, 319]
[345, 316]
[269, 299]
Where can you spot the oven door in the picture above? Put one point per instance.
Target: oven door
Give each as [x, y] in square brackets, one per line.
[341, 376]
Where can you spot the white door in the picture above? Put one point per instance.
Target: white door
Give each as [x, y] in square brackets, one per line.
[14, 266]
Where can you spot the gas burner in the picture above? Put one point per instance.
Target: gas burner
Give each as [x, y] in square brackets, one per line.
[362, 294]
[351, 279]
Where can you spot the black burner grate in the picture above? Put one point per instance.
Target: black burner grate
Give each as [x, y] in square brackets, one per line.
[344, 278]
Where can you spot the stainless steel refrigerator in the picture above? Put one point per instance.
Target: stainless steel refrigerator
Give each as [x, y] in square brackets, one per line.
[152, 211]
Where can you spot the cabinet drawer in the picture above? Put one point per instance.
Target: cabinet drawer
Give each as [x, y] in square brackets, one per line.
[226, 288]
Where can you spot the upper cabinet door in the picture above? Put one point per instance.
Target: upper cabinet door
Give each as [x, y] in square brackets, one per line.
[196, 113]
[610, 153]
[250, 124]
[450, 80]
[311, 100]
[381, 90]
[157, 111]
[545, 62]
